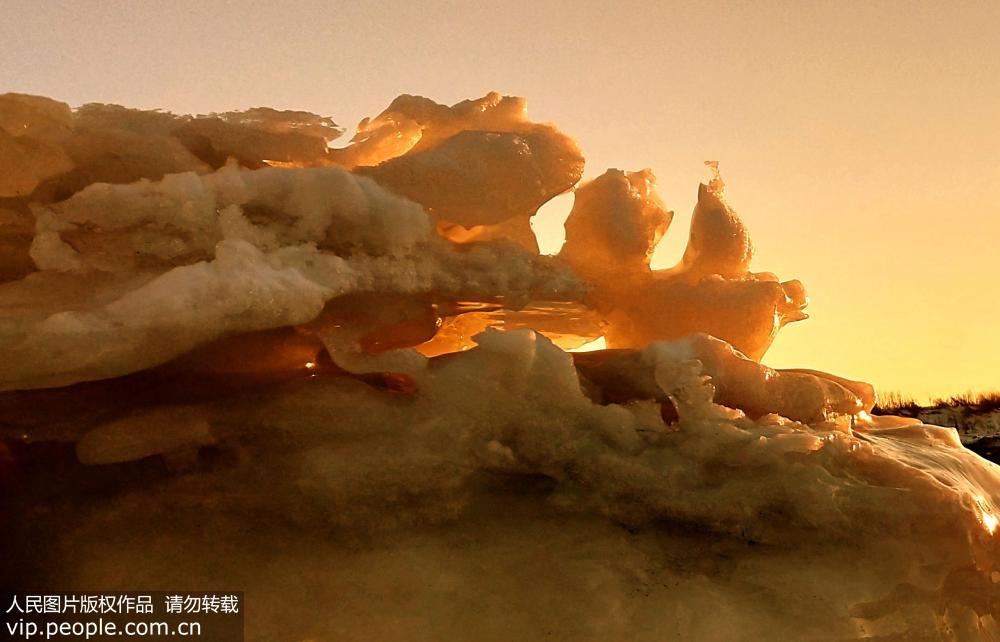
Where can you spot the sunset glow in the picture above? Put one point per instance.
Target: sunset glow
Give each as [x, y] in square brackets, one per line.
[529, 321]
[877, 126]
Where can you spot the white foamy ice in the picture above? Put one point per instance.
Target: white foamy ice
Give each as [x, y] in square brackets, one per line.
[738, 381]
[482, 489]
[170, 265]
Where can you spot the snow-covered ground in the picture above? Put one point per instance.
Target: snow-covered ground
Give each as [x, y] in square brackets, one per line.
[972, 424]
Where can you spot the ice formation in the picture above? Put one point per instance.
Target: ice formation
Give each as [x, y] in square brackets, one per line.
[611, 233]
[352, 368]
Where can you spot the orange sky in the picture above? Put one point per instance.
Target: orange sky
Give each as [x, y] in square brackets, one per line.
[860, 141]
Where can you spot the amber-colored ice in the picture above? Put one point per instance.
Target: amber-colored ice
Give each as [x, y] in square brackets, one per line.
[614, 226]
[359, 353]
[499, 166]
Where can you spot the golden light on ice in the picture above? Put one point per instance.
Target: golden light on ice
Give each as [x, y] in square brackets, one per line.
[597, 344]
[436, 335]
[990, 521]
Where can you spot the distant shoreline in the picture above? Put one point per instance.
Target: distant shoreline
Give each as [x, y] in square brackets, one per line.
[976, 417]
[894, 403]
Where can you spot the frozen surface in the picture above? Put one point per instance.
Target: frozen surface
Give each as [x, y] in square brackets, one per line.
[340, 379]
[616, 222]
[497, 482]
[498, 166]
[232, 251]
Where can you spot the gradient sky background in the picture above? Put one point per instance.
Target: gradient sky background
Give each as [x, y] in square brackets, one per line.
[860, 141]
